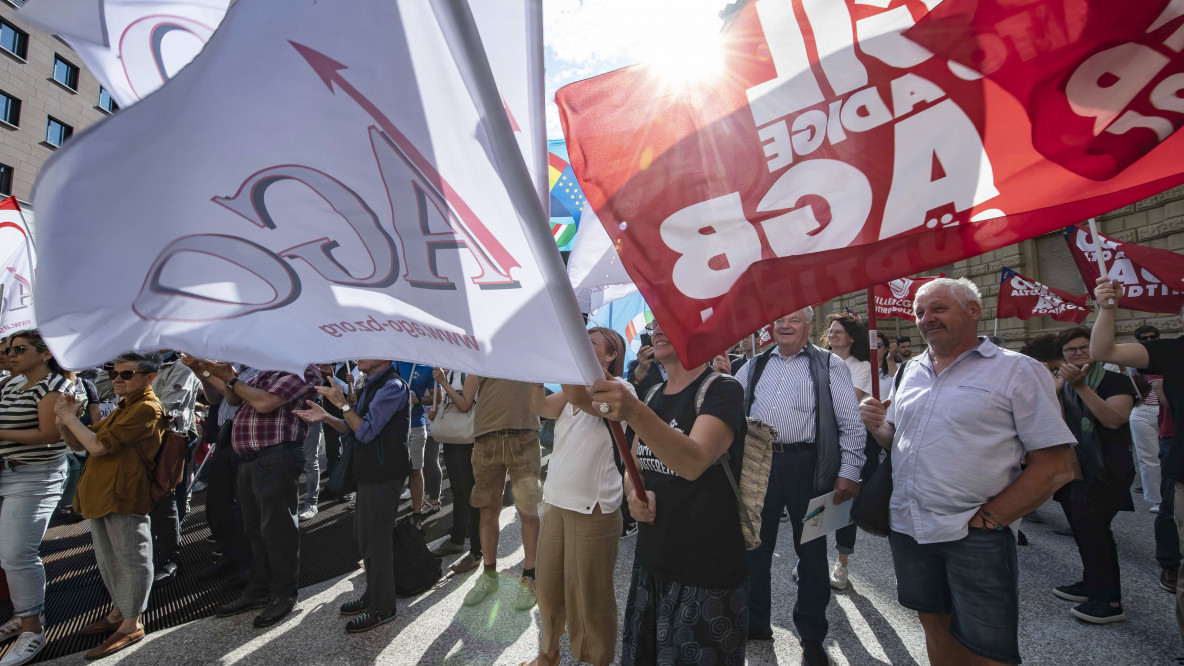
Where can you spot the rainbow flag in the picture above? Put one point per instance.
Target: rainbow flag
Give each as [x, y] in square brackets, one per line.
[567, 199]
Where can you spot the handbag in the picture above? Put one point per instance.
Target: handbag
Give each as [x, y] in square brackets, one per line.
[870, 508]
[341, 480]
[452, 426]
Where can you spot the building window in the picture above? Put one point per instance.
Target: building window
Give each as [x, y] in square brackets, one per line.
[14, 40]
[65, 73]
[106, 102]
[5, 180]
[56, 132]
[10, 109]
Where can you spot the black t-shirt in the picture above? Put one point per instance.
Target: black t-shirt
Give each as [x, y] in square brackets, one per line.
[1116, 442]
[695, 538]
[1167, 359]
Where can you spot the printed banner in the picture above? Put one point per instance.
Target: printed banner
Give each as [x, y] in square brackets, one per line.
[895, 299]
[350, 212]
[1152, 279]
[1023, 298]
[17, 271]
[841, 146]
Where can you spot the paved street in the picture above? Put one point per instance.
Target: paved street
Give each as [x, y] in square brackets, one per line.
[867, 625]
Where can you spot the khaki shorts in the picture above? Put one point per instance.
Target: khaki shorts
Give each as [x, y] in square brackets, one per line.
[518, 453]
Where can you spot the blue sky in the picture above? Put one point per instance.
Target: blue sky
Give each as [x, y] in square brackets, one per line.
[584, 38]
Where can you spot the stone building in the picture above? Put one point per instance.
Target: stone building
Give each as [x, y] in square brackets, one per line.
[46, 96]
[1155, 222]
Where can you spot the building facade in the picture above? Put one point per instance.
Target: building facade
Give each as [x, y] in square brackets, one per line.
[46, 96]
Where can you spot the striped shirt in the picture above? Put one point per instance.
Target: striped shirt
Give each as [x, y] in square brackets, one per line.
[18, 411]
[785, 400]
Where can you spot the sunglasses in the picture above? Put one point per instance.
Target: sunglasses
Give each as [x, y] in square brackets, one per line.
[16, 350]
[125, 375]
[1146, 338]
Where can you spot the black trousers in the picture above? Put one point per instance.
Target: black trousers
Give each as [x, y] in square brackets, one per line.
[332, 449]
[269, 494]
[166, 531]
[374, 525]
[1090, 508]
[466, 520]
[223, 514]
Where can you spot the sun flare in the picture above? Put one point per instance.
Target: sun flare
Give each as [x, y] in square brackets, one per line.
[687, 48]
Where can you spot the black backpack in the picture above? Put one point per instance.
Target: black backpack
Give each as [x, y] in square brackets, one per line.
[416, 569]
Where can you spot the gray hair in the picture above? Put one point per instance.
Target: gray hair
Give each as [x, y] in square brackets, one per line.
[963, 289]
[144, 362]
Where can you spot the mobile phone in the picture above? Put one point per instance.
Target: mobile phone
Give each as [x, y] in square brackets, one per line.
[646, 340]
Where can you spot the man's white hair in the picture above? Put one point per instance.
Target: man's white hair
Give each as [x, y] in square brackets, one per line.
[809, 311]
[963, 289]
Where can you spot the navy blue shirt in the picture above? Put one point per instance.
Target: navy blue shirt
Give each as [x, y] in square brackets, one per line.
[419, 377]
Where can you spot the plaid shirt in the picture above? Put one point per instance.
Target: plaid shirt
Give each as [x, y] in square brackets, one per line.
[253, 431]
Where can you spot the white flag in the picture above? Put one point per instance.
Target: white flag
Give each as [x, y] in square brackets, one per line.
[319, 185]
[16, 273]
[594, 269]
[131, 46]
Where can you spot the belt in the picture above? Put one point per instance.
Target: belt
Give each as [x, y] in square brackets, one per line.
[786, 447]
[282, 446]
[9, 464]
[504, 433]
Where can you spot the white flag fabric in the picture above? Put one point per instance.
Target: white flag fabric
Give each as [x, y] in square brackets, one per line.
[131, 46]
[16, 273]
[594, 269]
[319, 185]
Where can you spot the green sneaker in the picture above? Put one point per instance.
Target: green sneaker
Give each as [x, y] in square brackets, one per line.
[485, 586]
[526, 594]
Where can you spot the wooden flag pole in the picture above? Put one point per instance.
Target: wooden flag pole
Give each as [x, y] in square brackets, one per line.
[873, 341]
[1093, 231]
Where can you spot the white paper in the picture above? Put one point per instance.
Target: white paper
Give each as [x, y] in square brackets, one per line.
[832, 517]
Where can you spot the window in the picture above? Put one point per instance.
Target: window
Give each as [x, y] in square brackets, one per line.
[10, 109]
[56, 132]
[65, 73]
[14, 40]
[5, 180]
[106, 102]
[1057, 270]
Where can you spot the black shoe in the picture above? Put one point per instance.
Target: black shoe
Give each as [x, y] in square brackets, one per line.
[276, 610]
[1021, 540]
[813, 654]
[240, 605]
[354, 607]
[219, 567]
[1098, 612]
[165, 574]
[367, 621]
[629, 530]
[1167, 579]
[1076, 592]
[758, 635]
[236, 581]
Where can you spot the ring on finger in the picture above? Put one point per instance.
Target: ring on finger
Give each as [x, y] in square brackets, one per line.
[604, 408]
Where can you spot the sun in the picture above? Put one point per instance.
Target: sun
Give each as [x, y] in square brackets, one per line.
[687, 47]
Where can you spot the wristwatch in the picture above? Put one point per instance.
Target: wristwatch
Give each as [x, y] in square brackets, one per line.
[345, 408]
[230, 384]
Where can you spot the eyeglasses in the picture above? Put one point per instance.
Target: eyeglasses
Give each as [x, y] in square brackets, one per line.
[125, 375]
[1075, 350]
[16, 350]
[833, 333]
[1145, 338]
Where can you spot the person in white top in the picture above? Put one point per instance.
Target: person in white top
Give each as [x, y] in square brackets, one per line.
[846, 338]
[577, 551]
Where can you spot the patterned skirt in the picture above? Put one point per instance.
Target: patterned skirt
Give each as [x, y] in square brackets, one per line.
[673, 623]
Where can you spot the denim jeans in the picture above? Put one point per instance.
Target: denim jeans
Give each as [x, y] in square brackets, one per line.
[28, 496]
[791, 485]
[312, 466]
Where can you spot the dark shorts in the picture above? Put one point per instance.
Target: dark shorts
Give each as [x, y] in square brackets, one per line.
[975, 580]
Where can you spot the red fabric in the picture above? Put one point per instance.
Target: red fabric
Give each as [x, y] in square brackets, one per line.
[1152, 279]
[895, 299]
[724, 225]
[1022, 297]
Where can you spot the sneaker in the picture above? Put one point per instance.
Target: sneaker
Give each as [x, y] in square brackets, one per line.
[486, 585]
[465, 564]
[429, 508]
[526, 594]
[793, 575]
[165, 574]
[1076, 592]
[1154, 508]
[629, 530]
[838, 576]
[354, 607]
[308, 514]
[1098, 612]
[1167, 579]
[406, 494]
[785, 518]
[11, 629]
[367, 621]
[447, 548]
[27, 646]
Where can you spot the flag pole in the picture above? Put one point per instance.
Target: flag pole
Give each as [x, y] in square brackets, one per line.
[873, 341]
[1093, 232]
[996, 333]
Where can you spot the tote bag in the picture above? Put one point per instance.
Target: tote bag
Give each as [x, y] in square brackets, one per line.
[452, 426]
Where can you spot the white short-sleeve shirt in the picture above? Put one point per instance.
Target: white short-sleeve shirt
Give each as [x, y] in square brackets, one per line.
[583, 472]
[960, 436]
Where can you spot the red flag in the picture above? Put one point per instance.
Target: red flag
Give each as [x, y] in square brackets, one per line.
[895, 299]
[1152, 279]
[1023, 298]
[834, 152]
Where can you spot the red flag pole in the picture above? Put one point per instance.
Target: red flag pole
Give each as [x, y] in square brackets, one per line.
[873, 341]
[1093, 231]
[627, 458]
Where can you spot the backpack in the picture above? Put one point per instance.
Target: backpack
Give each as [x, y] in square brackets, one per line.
[164, 472]
[755, 464]
[416, 569]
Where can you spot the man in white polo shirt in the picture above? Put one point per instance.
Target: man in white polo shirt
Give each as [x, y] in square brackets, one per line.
[964, 415]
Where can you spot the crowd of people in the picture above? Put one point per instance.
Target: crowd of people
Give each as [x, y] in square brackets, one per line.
[977, 438]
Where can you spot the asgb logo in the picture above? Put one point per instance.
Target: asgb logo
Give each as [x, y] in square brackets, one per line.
[901, 287]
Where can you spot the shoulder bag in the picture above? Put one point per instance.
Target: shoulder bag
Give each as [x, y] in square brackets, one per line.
[452, 426]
